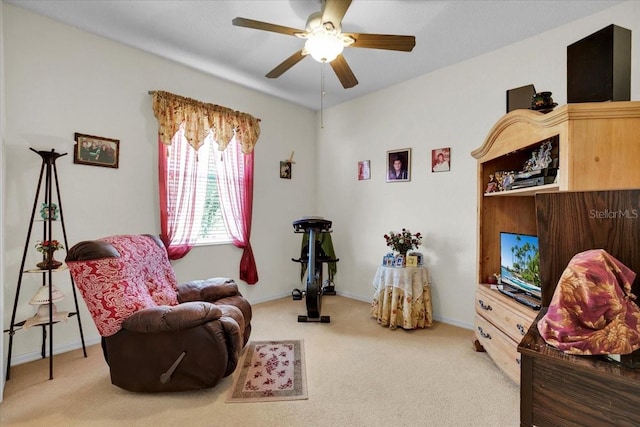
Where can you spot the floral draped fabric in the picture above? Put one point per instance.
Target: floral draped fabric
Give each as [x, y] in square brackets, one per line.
[592, 311]
[402, 297]
[201, 118]
[115, 288]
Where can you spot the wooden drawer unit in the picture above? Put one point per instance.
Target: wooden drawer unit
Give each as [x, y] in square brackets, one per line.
[502, 350]
[500, 324]
[506, 314]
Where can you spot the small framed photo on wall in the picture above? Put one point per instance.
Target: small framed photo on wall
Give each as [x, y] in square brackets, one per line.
[441, 160]
[399, 165]
[96, 151]
[364, 170]
[285, 170]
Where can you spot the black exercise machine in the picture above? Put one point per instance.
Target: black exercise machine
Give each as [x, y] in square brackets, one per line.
[313, 256]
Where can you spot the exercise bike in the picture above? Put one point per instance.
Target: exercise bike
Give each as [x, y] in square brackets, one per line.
[314, 258]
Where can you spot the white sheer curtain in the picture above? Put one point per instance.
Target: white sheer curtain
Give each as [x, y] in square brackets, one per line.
[181, 187]
[235, 186]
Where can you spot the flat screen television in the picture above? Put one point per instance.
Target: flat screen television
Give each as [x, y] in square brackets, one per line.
[520, 262]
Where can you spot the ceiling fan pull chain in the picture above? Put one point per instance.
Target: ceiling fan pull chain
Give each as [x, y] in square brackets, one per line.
[322, 93]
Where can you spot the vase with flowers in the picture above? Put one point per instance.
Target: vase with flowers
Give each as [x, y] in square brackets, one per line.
[47, 248]
[403, 241]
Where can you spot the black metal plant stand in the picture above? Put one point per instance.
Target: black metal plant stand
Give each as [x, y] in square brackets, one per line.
[49, 172]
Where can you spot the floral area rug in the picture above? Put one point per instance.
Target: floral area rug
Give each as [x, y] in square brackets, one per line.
[270, 371]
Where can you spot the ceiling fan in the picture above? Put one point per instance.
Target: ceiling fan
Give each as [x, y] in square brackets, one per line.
[325, 40]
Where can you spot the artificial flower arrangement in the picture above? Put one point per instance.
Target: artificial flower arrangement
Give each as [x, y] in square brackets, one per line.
[403, 241]
[48, 245]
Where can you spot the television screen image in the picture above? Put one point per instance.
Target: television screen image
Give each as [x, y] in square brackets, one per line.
[520, 262]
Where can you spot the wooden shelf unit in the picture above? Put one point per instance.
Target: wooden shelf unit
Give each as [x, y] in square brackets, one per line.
[598, 148]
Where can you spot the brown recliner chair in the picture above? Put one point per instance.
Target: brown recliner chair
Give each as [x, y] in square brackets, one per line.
[158, 335]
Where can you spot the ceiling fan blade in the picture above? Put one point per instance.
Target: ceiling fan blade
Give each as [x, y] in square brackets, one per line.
[265, 26]
[333, 11]
[286, 64]
[383, 41]
[344, 73]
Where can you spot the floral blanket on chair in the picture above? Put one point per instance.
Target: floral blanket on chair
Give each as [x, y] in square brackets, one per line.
[592, 310]
[115, 288]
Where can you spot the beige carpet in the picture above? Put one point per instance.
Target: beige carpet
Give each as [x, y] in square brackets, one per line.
[358, 374]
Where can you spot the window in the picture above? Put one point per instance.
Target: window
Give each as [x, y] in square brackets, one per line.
[187, 198]
[207, 222]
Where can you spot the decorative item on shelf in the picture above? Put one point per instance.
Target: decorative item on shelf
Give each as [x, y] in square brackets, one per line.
[49, 211]
[540, 169]
[48, 247]
[540, 158]
[403, 241]
[389, 260]
[543, 102]
[492, 185]
[500, 181]
[418, 255]
[41, 299]
[520, 97]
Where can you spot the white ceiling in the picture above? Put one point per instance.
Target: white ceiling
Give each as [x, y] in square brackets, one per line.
[200, 34]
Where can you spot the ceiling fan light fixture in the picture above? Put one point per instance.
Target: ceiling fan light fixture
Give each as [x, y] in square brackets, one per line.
[324, 46]
[325, 40]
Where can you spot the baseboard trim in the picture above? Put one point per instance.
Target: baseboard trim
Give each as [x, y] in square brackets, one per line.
[33, 356]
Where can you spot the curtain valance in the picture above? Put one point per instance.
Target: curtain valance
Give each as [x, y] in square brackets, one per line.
[199, 118]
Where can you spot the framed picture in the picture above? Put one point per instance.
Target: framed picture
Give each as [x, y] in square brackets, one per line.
[285, 170]
[399, 165]
[441, 160]
[389, 260]
[399, 261]
[364, 170]
[96, 151]
[412, 261]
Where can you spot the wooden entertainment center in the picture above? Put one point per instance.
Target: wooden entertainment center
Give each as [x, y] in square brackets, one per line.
[597, 147]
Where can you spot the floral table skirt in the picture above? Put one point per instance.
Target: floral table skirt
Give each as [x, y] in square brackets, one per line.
[402, 298]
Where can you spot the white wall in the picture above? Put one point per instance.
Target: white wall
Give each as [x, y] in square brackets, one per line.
[454, 107]
[60, 80]
[2, 168]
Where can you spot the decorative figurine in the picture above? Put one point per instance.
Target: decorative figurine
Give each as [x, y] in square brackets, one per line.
[492, 186]
[49, 211]
[543, 102]
[540, 159]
